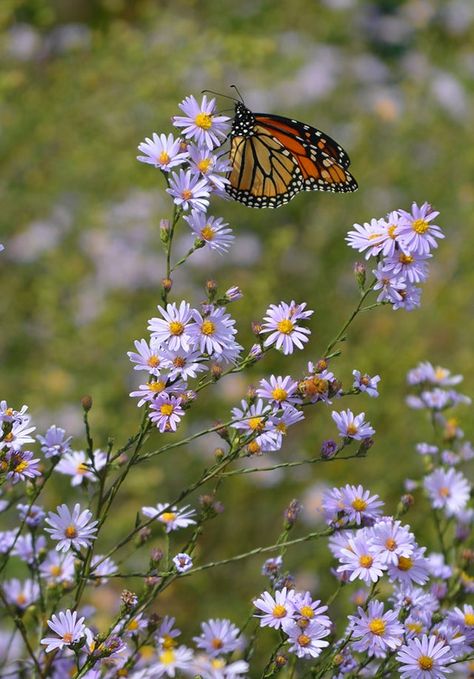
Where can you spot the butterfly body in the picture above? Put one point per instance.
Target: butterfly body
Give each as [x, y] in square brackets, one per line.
[273, 158]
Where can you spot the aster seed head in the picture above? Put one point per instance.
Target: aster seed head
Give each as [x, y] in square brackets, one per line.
[166, 284]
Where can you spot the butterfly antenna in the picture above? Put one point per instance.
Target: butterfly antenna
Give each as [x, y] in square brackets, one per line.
[218, 94]
[234, 87]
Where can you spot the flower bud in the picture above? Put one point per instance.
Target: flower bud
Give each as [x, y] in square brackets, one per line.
[280, 661]
[328, 449]
[216, 371]
[164, 230]
[251, 394]
[166, 284]
[406, 502]
[211, 289]
[292, 512]
[156, 555]
[233, 294]
[86, 403]
[128, 599]
[143, 536]
[256, 328]
[360, 274]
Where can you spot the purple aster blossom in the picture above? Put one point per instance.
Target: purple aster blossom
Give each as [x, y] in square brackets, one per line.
[182, 562]
[437, 566]
[201, 123]
[188, 191]
[219, 668]
[415, 599]
[426, 372]
[352, 426]
[410, 297]
[229, 354]
[368, 237]
[334, 509]
[183, 364]
[425, 658]
[166, 412]
[172, 517]
[21, 594]
[390, 540]
[21, 465]
[359, 506]
[102, 567]
[55, 442]
[213, 331]
[390, 286]
[409, 266]
[72, 529]
[160, 386]
[131, 626]
[162, 151]
[212, 231]
[19, 435]
[415, 230]
[279, 390]
[167, 633]
[32, 514]
[329, 448]
[7, 539]
[453, 637]
[282, 322]
[366, 383]
[464, 619]
[450, 458]
[448, 490]
[466, 451]
[171, 662]
[410, 569]
[375, 631]
[9, 414]
[172, 331]
[209, 165]
[426, 449]
[285, 417]
[359, 562]
[147, 357]
[233, 294]
[308, 642]
[309, 610]
[58, 567]
[27, 548]
[218, 637]
[68, 628]
[78, 466]
[276, 609]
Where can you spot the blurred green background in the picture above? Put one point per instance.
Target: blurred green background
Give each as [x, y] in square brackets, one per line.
[82, 83]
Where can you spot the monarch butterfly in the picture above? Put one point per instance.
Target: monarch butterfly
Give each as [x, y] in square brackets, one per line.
[273, 158]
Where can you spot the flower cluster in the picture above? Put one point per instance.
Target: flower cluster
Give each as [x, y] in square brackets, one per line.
[401, 243]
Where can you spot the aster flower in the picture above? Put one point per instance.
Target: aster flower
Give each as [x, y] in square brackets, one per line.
[317, 385]
[368, 237]
[366, 383]
[213, 331]
[173, 329]
[21, 594]
[171, 661]
[218, 637]
[279, 390]
[359, 562]
[147, 357]
[162, 151]
[276, 610]
[27, 549]
[58, 567]
[375, 631]
[149, 391]
[286, 416]
[182, 562]
[219, 668]
[271, 567]
[425, 658]
[448, 489]
[255, 420]
[307, 642]
[72, 529]
[415, 599]
[212, 231]
[79, 466]
[410, 569]
[359, 506]
[410, 297]
[183, 364]
[416, 231]
[209, 165]
[55, 442]
[352, 426]
[309, 610]
[166, 412]
[282, 322]
[426, 372]
[68, 628]
[437, 566]
[390, 286]
[101, 568]
[19, 435]
[201, 123]
[172, 517]
[426, 449]
[7, 539]
[9, 414]
[410, 266]
[33, 515]
[229, 353]
[390, 540]
[21, 465]
[188, 191]
[463, 618]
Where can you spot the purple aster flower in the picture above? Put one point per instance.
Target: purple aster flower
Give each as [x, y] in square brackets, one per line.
[173, 329]
[32, 514]
[220, 668]
[182, 562]
[425, 658]
[27, 548]
[328, 449]
[162, 151]
[409, 266]
[375, 631]
[437, 566]
[410, 569]
[316, 386]
[209, 165]
[279, 390]
[366, 383]
[410, 297]
[19, 435]
[282, 322]
[21, 466]
[7, 539]
[426, 372]
[9, 414]
[55, 442]
[67, 627]
[426, 449]
[201, 123]
[151, 390]
[307, 642]
[360, 562]
[368, 237]
[102, 567]
[229, 355]
[58, 567]
[309, 610]
[21, 594]
[147, 357]
[166, 412]
[271, 567]
[167, 633]
[390, 540]
[415, 599]
[189, 191]
[352, 426]
[359, 506]
[212, 332]
[78, 466]
[212, 230]
[172, 517]
[170, 662]
[183, 364]
[233, 294]
[256, 420]
[463, 618]
[72, 529]
[448, 489]
[415, 230]
[390, 286]
[218, 637]
[286, 416]
[276, 609]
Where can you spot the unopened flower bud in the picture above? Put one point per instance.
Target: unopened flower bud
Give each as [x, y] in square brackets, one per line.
[256, 328]
[122, 459]
[128, 599]
[321, 365]
[156, 555]
[166, 284]
[364, 446]
[86, 403]
[251, 393]
[152, 580]
[144, 534]
[219, 454]
[406, 502]
[280, 660]
[233, 294]
[328, 449]
[164, 230]
[216, 371]
[256, 352]
[360, 274]
[211, 289]
[223, 432]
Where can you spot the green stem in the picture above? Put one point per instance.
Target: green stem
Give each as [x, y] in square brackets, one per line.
[356, 311]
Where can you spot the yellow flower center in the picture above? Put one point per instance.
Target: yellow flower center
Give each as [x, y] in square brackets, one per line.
[390, 544]
[8, 437]
[405, 259]
[176, 328]
[208, 328]
[366, 561]
[218, 663]
[307, 611]
[163, 158]
[217, 643]
[285, 326]
[167, 657]
[204, 165]
[304, 640]
[420, 226]
[67, 637]
[359, 504]
[70, 532]
[82, 468]
[404, 563]
[168, 642]
[281, 427]
[21, 466]
[256, 423]
[55, 570]
[208, 232]
[133, 625]
[279, 611]
[167, 517]
[377, 626]
[167, 409]
[203, 120]
[153, 361]
[440, 373]
[469, 619]
[21, 600]
[279, 394]
[179, 362]
[253, 448]
[156, 387]
[444, 491]
[391, 231]
[414, 627]
[9, 412]
[425, 662]
[352, 429]
[186, 194]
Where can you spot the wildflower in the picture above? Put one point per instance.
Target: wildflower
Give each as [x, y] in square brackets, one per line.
[68, 628]
[233, 294]
[7, 538]
[201, 123]
[101, 568]
[212, 332]
[182, 364]
[279, 390]
[352, 426]
[275, 609]
[79, 466]
[209, 165]
[410, 569]
[437, 566]
[366, 383]
[426, 449]
[391, 287]
[410, 266]
[286, 417]
[162, 151]
[448, 490]
[390, 540]
[173, 329]
[21, 466]
[307, 642]
[271, 566]
[58, 567]
[55, 442]
[415, 229]
[218, 637]
[255, 419]
[282, 322]
[27, 548]
[19, 435]
[219, 668]
[33, 515]
[172, 517]
[9, 414]
[166, 412]
[309, 610]
[211, 230]
[358, 505]
[72, 529]
[426, 372]
[182, 562]
[409, 297]
[188, 191]
[359, 562]
[425, 658]
[151, 390]
[147, 357]
[375, 631]
[21, 594]
[171, 660]
[369, 236]
[464, 619]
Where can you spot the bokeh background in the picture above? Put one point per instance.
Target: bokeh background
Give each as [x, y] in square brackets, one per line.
[82, 83]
